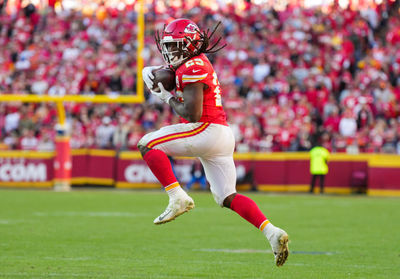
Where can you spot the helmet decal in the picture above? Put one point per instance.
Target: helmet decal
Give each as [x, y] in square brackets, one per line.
[191, 28]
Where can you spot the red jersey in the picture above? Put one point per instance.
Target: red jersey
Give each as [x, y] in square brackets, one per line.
[199, 69]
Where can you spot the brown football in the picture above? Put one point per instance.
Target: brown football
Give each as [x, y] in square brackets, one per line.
[166, 77]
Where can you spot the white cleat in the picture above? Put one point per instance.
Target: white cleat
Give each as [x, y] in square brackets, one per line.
[176, 207]
[279, 243]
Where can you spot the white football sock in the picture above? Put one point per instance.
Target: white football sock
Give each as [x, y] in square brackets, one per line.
[175, 192]
[269, 230]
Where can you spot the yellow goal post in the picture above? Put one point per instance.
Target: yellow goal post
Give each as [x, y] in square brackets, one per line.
[59, 100]
[63, 152]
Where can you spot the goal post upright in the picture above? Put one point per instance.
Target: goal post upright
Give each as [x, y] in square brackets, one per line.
[140, 46]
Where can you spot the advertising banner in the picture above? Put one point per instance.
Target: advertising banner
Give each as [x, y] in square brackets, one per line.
[132, 171]
[23, 169]
[376, 174]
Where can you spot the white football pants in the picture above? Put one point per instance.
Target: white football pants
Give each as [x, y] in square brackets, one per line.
[212, 143]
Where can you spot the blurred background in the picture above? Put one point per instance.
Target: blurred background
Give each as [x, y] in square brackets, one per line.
[293, 71]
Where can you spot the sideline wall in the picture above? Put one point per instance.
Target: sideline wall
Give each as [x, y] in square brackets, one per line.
[379, 174]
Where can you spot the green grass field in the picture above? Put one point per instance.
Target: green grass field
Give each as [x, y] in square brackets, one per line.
[110, 234]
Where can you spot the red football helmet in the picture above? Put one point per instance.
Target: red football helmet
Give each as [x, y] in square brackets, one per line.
[179, 41]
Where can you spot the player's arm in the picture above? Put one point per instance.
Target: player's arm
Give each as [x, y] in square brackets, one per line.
[191, 108]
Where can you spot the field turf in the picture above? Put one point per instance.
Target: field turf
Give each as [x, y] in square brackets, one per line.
[110, 234]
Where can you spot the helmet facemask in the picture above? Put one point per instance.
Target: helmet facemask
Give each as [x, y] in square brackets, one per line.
[176, 51]
[173, 51]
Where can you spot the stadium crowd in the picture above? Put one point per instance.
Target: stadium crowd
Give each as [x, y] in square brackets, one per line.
[288, 77]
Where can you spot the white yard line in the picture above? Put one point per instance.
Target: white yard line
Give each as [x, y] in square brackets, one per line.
[14, 221]
[266, 251]
[234, 251]
[61, 275]
[89, 214]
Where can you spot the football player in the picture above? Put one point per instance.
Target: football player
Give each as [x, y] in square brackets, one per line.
[203, 133]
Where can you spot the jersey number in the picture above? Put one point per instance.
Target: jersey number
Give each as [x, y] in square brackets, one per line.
[196, 61]
[217, 91]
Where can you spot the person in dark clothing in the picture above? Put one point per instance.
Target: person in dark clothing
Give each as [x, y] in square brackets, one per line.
[198, 176]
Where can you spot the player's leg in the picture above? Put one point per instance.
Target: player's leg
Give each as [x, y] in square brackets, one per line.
[312, 184]
[321, 183]
[190, 183]
[179, 201]
[160, 165]
[155, 148]
[221, 173]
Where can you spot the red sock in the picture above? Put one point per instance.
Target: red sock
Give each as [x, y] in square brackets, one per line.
[249, 210]
[161, 167]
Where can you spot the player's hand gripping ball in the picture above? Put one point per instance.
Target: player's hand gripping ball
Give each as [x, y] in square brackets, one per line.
[166, 76]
